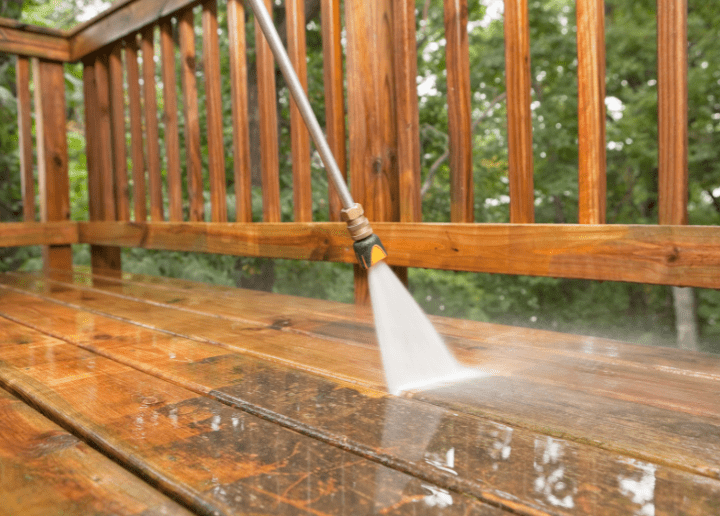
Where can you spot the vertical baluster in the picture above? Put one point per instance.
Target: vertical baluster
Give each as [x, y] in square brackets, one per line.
[52, 151]
[268, 126]
[192, 118]
[147, 47]
[105, 154]
[517, 72]
[170, 111]
[406, 108]
[136, 133]
[27, 182]
[458, 79]
[104, 259]
[216, 148]
[299, 136]
[672, 112]
[117, 116]
[591, 110]
[241, 132]
[334, 96]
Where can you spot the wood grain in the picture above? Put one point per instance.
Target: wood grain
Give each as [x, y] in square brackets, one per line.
[333, 78]
[269, 150]
[104, 140]
[299, 135]
[119, 143]
[371, 116]
[460, 131]
[52, 152]
[101, 257]
[186, 33]
[136, 132]
[123, 18]
[518, 79]
[50, 472]
[170, 119]
[591, 111]
[147, 47]
[184, 443]
[240, 121]
[407, 112]
[25, 143]
[25, 40]
[20, 234]
[347, 416]
[213, 97]
[672, 111]
[667, 255]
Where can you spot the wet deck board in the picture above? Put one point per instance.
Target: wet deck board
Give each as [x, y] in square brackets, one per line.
[514, 456]
[215, 458]
[46, 471]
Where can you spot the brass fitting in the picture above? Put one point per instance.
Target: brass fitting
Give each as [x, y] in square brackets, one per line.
[358, 225]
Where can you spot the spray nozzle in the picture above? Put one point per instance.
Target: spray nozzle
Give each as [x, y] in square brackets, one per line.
[368, 248]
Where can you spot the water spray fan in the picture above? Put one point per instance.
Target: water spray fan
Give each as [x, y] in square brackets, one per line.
[368, 248]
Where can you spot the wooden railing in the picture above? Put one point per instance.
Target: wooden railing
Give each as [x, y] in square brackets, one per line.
[383, 158]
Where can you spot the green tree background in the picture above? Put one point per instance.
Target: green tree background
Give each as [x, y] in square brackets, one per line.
[635, 312]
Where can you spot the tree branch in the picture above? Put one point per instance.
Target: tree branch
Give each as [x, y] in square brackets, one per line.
[436, 164]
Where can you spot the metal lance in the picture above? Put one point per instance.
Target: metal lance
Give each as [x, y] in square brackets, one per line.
[368, 248]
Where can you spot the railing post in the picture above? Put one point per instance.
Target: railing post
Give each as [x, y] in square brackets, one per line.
[52, 149]
[372, 82]
[105, 260]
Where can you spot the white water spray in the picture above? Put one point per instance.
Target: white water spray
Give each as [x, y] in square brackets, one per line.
[413, 353]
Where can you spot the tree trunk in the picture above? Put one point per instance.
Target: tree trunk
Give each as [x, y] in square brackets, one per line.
[685, 318]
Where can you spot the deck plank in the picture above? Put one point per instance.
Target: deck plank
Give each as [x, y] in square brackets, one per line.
[383, 427]
[215, 458]
[589, 365]
[46, 471]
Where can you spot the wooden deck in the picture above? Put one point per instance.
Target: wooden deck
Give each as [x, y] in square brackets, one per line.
[134, 395]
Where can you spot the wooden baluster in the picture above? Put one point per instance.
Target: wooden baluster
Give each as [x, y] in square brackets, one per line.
[460, 129]
[213, 95]
[136, 133]
[186, 32]
[117, 119]
[406, 108]
[517, 71]
[239, 93]
[27, 181]
[672, 112]
[170, 111]
[591, 111]
[52, 152]
[105, 154]
[299, 136]
[334, 94]
[147, 47]
[269, 151]
[104, 259]
[372, 116]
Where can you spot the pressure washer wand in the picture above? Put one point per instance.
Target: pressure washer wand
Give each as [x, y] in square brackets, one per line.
[368, 248]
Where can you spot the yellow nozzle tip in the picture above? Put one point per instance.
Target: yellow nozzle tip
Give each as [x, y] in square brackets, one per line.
[377, 254]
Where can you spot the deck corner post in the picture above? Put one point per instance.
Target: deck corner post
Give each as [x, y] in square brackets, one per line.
[373, 55]
[105, 260]
[52, 151]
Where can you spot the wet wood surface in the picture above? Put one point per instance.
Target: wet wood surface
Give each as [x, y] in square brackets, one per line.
[520, 455]
[47, 471]
[20, 39]
[24, 134]
[215, 458]
[665, 255]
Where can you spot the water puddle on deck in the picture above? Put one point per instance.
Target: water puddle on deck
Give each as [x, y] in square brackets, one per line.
[413, 353]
